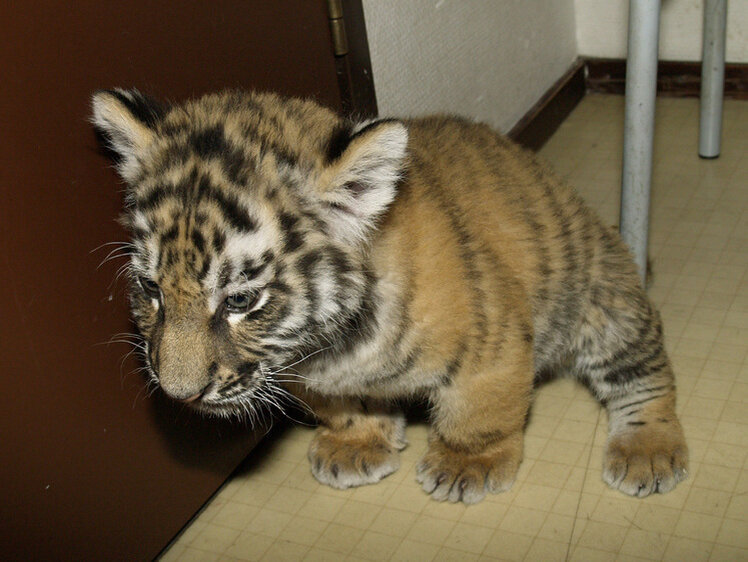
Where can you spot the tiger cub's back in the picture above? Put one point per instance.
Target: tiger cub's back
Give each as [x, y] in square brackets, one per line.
[479, 213]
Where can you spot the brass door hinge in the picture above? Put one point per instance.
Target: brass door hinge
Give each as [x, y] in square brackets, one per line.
[337, 27]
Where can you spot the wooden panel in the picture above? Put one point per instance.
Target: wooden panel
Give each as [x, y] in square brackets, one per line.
[94, 468]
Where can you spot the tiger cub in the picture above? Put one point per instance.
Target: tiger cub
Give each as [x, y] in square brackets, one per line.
[277, 247]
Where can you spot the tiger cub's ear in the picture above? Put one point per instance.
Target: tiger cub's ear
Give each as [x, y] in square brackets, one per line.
[359, 181]
[125, 119]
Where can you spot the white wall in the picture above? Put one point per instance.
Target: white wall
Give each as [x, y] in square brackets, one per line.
[486, 59]
[602, 27]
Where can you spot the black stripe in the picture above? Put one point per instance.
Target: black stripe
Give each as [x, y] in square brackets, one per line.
[143, 108]
[155, 197]
[565, 307]
[632, 412]
[638, 402]
[205, 267]
[643, 340]
[282, 153]
[198, 240]
[279, 287]
[338, 142]
[247, 368]
[306, 265]
[219, 241]
[529, 216]
[225, 274]
[210, 142]
[236, 216]
[170, 235]
[393, 373]
[360, 324]
[454, 365]
[640, 368]
[293, 238]
[250, 269]
[465, 242]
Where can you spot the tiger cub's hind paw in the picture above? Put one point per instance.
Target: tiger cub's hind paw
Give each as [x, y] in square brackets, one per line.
[646, 461]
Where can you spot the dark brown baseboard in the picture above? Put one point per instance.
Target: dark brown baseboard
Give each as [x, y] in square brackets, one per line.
[674, 78]
[608, 76]
[538, 124]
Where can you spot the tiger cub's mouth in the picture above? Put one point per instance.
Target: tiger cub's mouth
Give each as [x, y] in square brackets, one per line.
[255, 398]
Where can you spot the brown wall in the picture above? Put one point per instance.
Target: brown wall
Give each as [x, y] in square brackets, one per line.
[92, 467]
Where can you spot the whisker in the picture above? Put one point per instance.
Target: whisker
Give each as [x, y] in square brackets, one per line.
[300, 360]
[105, 244]
[114, 254]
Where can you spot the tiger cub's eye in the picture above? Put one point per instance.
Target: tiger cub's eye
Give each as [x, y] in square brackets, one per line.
[150, 287]
[240, 302]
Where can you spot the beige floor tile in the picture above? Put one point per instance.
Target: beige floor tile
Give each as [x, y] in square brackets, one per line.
[452, 512]
[446, 554]
[734, 532]
[235, 515]
[617, 510]
[644, 544]
[557, 528]
[214, 538]
[508, 546]
[376, 546]
[412, 551]
[255, 493]
[710, 502]
[485, 514]
[548, 473]
[249, 546]
[357, 514]
[723, 553]
[603, 536]
[657, 518]
[698, 526]
[716, 477]
[196, 555]
[680, 549]
[408, 497]
[547, 550]
[523, 520]
[304, 530]
[321, 555]
[285, 550]
[322, 507]
[725, 454]
[585, 554]
[469, 538]
[431, 530]
[339, 538]
[393, 522]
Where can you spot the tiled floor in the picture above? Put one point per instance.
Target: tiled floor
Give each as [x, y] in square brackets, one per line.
[559, 508]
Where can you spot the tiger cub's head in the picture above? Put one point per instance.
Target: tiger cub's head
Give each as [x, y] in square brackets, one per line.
[250, 216]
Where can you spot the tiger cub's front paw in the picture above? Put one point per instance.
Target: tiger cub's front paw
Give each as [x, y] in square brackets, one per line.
[463, 476]
[362, 454]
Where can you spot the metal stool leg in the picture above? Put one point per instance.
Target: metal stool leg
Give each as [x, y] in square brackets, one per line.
[712, 77]
[638, 140]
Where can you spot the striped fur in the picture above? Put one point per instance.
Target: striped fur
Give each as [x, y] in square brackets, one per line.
[380, 261]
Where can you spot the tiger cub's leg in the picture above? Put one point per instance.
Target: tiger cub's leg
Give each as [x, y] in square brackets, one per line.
[625, 360]
[357, 441]
[476, 440]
